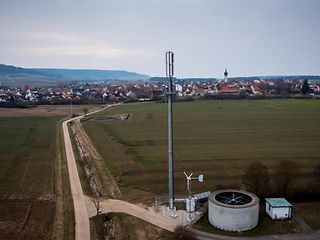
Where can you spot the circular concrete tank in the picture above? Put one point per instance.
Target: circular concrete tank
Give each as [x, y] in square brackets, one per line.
[233, 210]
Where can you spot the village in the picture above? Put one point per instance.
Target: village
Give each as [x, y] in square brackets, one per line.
[185, 90]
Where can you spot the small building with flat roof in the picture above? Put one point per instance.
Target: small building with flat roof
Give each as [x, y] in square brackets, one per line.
[278, 208]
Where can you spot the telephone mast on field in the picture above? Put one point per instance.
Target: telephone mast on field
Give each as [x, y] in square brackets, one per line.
[170, 93]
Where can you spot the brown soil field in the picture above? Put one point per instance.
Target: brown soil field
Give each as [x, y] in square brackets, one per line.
[25, 112]
[26, 218]
[33, 203]
[35, 200]
[46, 110]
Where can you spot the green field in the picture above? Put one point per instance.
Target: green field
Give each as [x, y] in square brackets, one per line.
[218, 142]
[34, 190]
[26, 146]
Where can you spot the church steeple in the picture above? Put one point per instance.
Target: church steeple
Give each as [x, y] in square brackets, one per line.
[225, 75]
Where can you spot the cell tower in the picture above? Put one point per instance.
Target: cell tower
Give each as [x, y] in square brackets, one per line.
[169, 74]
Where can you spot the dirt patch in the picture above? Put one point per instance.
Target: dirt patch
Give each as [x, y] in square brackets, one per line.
[26, 218]
[116, 117]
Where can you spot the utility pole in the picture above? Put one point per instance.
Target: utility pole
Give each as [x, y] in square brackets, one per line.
[169, 74]
[71, 114]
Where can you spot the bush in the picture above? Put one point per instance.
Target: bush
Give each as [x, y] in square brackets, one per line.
[182, 233]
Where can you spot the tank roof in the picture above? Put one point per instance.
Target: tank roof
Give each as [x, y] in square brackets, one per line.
[233, 198]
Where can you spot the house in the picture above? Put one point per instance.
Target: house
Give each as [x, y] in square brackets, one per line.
[227, 88]
[278, 208]
[143, 95]
[198, 91]
[255, 88]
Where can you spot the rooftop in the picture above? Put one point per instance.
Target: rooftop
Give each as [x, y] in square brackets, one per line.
[278, 202]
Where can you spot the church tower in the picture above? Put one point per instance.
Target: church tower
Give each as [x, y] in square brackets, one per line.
[225, 75]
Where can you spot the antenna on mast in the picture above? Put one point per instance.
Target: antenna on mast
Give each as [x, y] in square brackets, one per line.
[169, 74]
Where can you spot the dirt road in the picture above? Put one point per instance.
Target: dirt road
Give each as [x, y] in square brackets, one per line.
[146, 214]
[82, 225]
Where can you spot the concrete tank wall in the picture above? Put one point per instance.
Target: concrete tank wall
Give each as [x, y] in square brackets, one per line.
[233, 217]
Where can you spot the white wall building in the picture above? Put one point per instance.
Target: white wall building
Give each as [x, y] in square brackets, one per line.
[278, 208]
[178, 89]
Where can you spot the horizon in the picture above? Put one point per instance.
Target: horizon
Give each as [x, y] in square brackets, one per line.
[187, 77]
[248, 37]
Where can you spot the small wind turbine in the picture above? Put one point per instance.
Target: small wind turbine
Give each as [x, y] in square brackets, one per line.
[190, 200]
[189, 178]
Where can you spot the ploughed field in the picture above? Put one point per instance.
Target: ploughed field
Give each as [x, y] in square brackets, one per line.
[217, 138]
[27, 177]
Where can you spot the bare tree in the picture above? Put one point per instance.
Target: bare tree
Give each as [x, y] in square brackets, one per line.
[85, 111]
[96, 202]
[183, 233]
[256, 178]
[286, 173]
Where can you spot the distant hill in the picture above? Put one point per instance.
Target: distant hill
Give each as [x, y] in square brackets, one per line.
[8, 70]
[88, 74]
[17, 76]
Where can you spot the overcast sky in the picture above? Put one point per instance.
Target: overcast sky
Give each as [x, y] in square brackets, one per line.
[249, 37]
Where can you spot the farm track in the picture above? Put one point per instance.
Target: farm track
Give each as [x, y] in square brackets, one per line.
[82, 226]
[25, 172]
[146, 214]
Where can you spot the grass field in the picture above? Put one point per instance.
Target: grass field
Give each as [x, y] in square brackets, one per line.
[310, 213]
[266, 226]
[126, 227]
[27, 169]
[218, 142]
[35, 198]
[27, 145]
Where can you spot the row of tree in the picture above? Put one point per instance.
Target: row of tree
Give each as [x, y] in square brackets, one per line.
[257, 179]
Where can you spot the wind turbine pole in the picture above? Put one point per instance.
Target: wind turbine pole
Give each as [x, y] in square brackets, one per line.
[169, 73]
